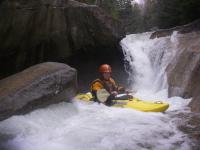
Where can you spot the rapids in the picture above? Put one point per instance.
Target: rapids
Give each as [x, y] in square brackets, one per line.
[91, 126]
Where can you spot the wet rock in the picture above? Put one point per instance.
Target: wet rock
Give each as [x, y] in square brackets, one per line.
[34, 31]
[195, 103]
[191, 27]
[184, 71]
[36, 87]
[189, 124]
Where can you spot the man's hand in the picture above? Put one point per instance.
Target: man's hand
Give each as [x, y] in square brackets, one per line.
[130, 92]
[114, 93]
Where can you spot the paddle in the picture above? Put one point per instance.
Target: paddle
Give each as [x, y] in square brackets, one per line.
[102, 95]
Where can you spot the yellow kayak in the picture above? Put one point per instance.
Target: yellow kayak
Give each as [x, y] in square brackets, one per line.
[135, 103]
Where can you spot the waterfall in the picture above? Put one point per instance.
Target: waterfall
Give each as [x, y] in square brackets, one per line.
[147, 60]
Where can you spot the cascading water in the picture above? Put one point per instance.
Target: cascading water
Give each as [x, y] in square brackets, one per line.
[148, 59]
[83, 126]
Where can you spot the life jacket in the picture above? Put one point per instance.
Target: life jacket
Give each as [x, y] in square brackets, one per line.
[102, 84]
[109, 85]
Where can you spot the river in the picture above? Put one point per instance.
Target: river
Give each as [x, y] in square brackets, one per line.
[91, 126]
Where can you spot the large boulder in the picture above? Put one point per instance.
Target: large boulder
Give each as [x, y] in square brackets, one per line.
[34, 31]
[183, 72]
[35, 87]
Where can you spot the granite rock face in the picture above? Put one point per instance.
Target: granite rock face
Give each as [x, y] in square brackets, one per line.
[36, 87]
[35, 31]
[183, 72]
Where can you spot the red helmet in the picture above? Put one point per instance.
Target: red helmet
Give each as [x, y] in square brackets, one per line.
[105, 68]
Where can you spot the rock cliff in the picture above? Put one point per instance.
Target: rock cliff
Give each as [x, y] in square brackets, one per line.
[184, 70]
[34, 31]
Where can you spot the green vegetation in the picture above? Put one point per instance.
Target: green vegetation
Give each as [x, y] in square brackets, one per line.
[170, 13]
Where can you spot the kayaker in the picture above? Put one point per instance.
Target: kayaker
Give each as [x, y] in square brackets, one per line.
[106, 84]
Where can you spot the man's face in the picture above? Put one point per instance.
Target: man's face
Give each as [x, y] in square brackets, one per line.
[106, 75]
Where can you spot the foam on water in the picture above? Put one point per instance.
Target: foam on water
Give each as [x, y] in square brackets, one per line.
[92, 126]
[83, 126]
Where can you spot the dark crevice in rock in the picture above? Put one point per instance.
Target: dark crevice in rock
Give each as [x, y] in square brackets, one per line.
[87, 64]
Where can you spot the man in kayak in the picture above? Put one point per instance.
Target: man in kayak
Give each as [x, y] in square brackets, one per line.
[104, 89]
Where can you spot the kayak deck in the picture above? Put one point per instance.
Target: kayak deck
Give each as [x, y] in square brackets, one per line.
[135, 103]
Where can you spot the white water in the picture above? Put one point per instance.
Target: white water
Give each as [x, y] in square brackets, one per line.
[148, 60]
[83, 126]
